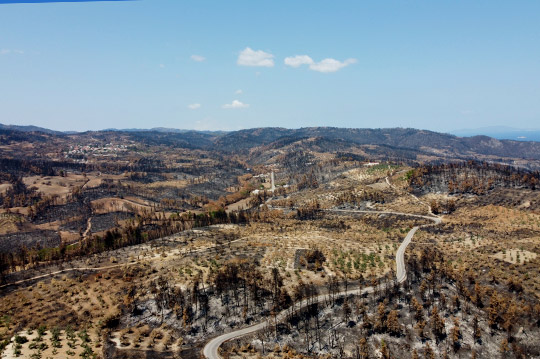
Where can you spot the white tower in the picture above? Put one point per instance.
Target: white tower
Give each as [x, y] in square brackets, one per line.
[273, 184]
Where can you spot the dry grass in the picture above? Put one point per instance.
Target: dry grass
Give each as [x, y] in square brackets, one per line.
[491, 241]
[4, 187]
[54, 185]
[143, 337]
[8, 223]
[515, 256]
[473, 239]
[64, 344]
[107, 205]
[20, 210]
[65, 302]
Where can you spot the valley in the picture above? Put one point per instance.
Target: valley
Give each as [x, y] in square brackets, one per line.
[173, 245]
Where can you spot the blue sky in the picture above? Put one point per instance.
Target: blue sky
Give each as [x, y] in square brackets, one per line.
[226, 65]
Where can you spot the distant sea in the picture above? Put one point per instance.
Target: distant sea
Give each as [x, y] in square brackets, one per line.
[501, 134]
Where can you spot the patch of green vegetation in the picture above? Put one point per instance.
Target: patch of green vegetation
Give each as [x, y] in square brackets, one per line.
[41, 330]
[5, 320]
[17, 350]
[55, 338]
[382, 167]
[3, 344]
[409, 175]
[21, 339]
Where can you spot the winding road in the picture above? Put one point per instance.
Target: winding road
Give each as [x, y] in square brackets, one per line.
[211, 349]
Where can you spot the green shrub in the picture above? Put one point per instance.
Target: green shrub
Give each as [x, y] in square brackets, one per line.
[84, 336]
[17, 350]
[21, 339]
[3, 345]
[41, 330]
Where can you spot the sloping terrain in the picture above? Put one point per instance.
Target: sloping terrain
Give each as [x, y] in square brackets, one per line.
[408, 143]
[151, 242]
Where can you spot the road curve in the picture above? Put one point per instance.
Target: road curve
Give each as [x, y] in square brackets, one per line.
[211, 349]
[401, 273]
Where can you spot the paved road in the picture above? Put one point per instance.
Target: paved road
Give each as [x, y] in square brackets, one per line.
[401, 272]
[211, 349]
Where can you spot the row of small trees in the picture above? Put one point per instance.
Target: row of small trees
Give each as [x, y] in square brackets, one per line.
[471, 177]
[143, 229]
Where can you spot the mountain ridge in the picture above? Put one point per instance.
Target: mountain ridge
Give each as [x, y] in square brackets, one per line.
[408, 143]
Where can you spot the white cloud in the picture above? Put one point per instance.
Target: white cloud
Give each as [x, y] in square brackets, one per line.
[194, 106]
[235, 104]
[298, 60]
[238, 92]
[249, 57]
[11, 51]
[198, 58]
[161, 66]
[331, 65]
[326, 65]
